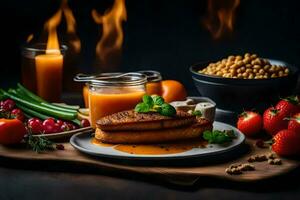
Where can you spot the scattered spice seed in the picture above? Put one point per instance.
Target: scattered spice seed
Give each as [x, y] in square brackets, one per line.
[261, 144]
[271, 156]
[235, 169]
[60, 147]
[275, 161]
[257, 158]
[247, 167]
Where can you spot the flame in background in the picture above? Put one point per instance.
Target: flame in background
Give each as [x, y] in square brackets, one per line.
[110, 44]
[51, 26]
[71, 26]
[221, 15]
[29, 38]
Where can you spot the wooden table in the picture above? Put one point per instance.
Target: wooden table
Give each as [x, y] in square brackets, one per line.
[26, 182]
[31, 180]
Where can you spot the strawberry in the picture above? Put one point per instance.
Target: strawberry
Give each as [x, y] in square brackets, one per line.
[273, 121]
[294, 123]
[289, 106]
[249, 123]
[286, 143]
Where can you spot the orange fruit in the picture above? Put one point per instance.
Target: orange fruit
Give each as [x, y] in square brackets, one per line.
[173, 91]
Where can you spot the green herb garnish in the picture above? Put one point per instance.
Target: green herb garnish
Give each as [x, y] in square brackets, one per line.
[197, 113]
[219, 137]
[155, 104]
[39, 144]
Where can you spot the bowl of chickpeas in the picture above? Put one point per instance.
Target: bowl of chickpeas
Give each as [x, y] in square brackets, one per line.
[246, 81]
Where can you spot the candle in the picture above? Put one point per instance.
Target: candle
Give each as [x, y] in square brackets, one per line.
[49, 68]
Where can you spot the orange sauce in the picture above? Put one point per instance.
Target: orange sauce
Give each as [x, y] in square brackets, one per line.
[153, 88]
[109, 101]
[85, 93]
[99, 143]
[156, 149]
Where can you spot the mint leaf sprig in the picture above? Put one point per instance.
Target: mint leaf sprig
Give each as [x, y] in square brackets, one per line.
[155, 104]
[219, 137]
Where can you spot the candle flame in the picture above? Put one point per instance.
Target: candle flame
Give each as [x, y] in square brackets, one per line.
[221, 15]
[51, 25]
[110, 43]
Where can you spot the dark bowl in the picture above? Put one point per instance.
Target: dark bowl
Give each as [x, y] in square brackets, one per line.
[238, 94]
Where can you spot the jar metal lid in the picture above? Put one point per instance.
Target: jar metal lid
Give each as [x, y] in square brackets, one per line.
[113, 79]
[152, 76]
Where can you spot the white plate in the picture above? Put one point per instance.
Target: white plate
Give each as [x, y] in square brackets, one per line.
[82, 142]
[65, 134]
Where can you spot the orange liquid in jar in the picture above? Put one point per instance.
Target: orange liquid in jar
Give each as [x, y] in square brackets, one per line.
[153, 88]
[85, 93]
[107, 101]
[49, 69]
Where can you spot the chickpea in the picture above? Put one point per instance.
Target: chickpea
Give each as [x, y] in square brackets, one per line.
[240, 63]
[237, 58]
[245, 74]
[249, 70]
[256, 67]
[253, 56]
[258, 61]
[266, 67]
[242, 69]
[286, 70]
[251, 76]
[240, 76]
[231, 58]
[219, 73]
[247, 55]
[248, 65]
[261, 71]
[246, 60]
[280, 73]
[273, 75]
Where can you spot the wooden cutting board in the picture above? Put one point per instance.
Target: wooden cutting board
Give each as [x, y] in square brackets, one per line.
[187, 173]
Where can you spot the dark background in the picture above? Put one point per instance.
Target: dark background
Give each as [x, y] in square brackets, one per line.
[162, 35]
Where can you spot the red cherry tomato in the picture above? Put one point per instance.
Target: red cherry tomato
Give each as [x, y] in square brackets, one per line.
[59, 122]
[12, 131]
[85, 123]
[18, 114]
[50, 121]
[64, 127]
[7, 105]
[250, 123]
[35, 126]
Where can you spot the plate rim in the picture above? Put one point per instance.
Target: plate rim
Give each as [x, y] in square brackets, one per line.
[156, 157]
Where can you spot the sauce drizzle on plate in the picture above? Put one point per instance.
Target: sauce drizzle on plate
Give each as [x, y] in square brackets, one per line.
[155, 149]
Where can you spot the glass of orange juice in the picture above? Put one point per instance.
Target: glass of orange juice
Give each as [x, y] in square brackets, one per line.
[111, 94]
[42, 73]
[154, 79]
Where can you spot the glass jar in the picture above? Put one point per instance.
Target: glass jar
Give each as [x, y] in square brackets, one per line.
[86, 78]
[42, 72]
[111, 94]
[154, 79]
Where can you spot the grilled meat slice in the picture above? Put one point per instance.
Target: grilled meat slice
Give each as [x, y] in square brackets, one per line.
[154, 136]
[131, 120]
